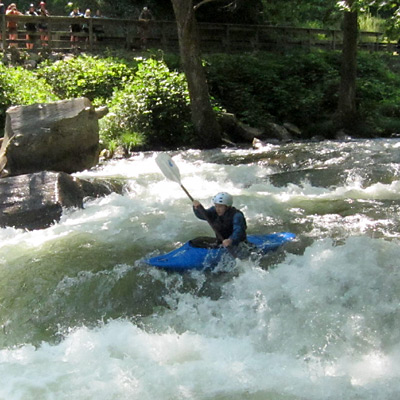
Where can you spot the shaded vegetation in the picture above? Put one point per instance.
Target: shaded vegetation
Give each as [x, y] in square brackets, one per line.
[302, 88]
[149, 102]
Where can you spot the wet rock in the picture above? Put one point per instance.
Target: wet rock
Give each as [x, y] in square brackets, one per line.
[35, 201]
[342, 135]
[60, 136]
[275, 131]
[236, 130]
[292, 129]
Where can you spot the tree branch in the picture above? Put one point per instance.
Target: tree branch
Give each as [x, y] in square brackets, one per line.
[198, 5]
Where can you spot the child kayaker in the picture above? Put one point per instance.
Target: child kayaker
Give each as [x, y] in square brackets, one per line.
[227, 220]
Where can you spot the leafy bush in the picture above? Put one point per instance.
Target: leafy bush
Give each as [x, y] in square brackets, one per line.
[302, 88]
[149, 102]
[21, 87]
[87, 76]
[378, 96]
[153, 110]
[261, 87]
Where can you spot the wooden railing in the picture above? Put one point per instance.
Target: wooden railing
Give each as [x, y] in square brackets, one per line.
[133, 34]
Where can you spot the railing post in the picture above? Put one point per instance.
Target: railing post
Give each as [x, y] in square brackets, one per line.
[3, 32]
[49, 36]
[228, 39]
[164, 40]
[91, 34]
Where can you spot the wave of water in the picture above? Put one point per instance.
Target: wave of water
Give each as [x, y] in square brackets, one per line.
[83, 317]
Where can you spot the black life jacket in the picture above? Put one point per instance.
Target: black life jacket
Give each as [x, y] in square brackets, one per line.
[224, 223]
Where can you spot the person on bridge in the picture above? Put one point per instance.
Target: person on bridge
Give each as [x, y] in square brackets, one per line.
[145, 19]
[75, 28]
[85, 26]
[30, 28]
[12, 26]
[98, 29]
[43, 27]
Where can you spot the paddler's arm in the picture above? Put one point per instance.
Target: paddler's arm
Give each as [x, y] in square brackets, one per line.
[200, 211]
[239, 230]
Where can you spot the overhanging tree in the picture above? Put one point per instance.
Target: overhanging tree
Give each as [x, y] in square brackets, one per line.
[203, 117]
[346, 116]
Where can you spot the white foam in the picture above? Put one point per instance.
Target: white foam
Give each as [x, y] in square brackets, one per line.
[322, 325]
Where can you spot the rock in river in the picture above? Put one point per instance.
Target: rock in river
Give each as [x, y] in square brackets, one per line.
[59, 136]
[35, 201]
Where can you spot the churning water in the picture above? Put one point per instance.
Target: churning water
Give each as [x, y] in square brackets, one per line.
[83, 317]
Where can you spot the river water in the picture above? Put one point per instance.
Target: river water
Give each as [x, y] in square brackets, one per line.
[83, 317]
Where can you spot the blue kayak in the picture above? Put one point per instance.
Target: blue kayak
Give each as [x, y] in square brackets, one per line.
[190, 256]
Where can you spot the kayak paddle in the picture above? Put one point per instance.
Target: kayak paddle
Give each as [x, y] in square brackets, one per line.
[171, 172]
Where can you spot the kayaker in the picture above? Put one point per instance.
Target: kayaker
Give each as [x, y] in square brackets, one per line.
[227, 220]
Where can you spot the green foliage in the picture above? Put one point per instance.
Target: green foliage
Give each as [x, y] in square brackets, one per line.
[301, 13]
[152, 110]
[369, 23]
[302, 88]
[295, 87]
[149, 101]
[87, 76]
[21, 87]
[378, 92]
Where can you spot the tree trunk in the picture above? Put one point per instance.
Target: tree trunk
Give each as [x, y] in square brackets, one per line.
[347, 110]
[203, 115]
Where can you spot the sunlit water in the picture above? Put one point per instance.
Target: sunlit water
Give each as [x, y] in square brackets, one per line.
[83, 317]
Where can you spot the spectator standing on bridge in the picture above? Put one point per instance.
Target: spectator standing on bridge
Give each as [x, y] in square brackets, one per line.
[75, 28]
[42, 12]
[12, 26]
[98, 29]
[145, 19]
[30, 28]
[85, 26]
[2, 12]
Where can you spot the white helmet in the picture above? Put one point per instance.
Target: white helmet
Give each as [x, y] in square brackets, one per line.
[223, 198]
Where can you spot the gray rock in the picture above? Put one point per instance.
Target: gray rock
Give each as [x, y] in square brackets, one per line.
[292, 129]
[275, 131]
[236, 130]
[35, 201]
[60, 136]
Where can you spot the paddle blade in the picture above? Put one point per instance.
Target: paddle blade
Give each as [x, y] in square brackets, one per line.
[168, 167]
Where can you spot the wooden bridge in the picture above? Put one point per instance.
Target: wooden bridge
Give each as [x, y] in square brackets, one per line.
[102, 33]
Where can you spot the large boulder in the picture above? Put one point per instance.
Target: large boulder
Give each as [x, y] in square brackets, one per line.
[277, 132]
[236, 130]
[35, 201]
[60, 136]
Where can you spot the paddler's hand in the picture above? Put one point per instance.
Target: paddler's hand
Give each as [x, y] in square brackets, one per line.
[196, 204]
[227, 242]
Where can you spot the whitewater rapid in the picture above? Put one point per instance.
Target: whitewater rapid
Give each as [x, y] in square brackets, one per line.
[83, 317]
